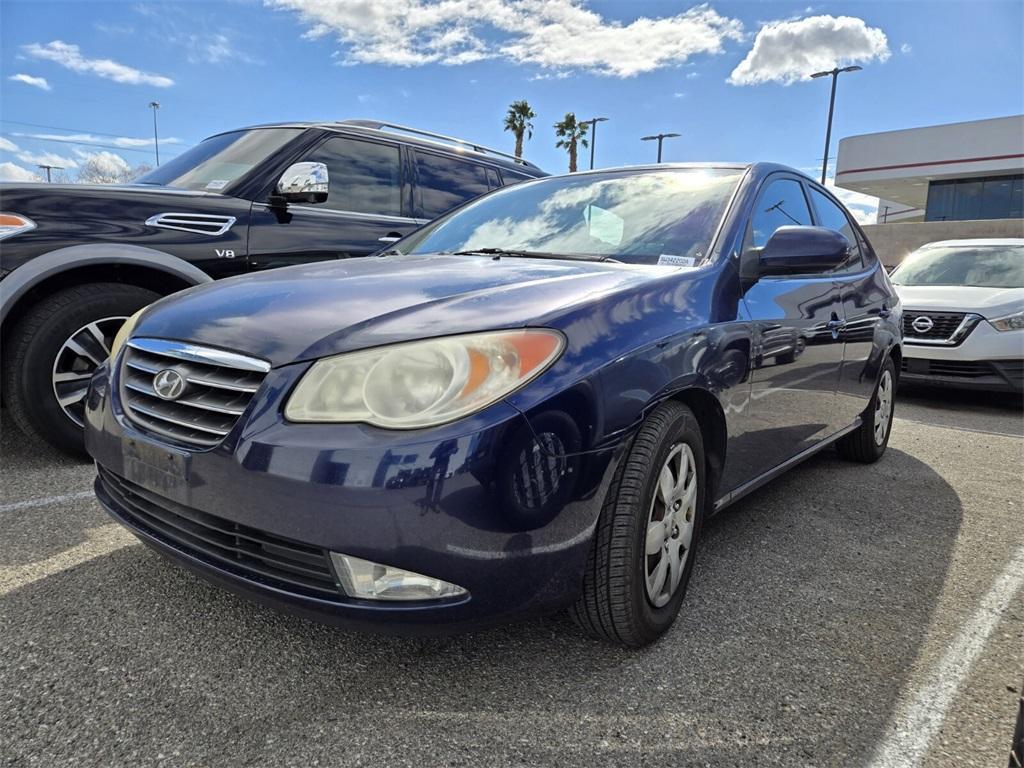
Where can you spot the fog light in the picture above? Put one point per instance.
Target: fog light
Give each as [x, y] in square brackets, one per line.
[373, 581]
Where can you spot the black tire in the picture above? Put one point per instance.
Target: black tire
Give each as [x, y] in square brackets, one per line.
[862, 445]
[614, 604]
[32, 349]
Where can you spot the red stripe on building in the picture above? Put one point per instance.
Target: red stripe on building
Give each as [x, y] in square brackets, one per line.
[932, 162]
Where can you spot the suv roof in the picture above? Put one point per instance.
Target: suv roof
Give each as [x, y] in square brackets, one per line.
[411, 136]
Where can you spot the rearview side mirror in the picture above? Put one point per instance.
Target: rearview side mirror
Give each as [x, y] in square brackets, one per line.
[800, 250]
[302, 183]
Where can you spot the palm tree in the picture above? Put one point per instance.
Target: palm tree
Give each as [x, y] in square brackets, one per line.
[570, 134]
[517, 120]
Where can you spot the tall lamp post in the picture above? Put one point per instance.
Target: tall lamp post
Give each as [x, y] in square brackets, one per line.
[592, 122]
[49, 168]
[155, 105]
[659, 137]
[831, 107]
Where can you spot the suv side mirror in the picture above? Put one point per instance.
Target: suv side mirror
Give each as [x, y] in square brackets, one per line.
[801, 250]
[302, 183]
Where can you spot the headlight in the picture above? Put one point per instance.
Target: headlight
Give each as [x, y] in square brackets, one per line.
[423, 383]
[1012, 322]
[13, 223]
[123, 334]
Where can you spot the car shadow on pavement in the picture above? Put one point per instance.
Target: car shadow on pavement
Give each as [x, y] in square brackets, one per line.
[809, 602]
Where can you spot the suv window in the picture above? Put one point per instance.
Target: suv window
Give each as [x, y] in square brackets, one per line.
[831, 216]
[782, 203]
[366, 177]
[444, 182]
[513, 177]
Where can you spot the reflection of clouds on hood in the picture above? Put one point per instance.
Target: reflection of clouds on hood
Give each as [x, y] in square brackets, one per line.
[671, 212]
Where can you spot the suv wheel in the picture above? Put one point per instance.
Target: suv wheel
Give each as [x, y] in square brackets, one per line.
[647, 535]
[53, 352]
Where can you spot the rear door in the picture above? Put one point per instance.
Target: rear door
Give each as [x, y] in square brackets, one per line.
[796, 351]
[368, 206]
[443, 182]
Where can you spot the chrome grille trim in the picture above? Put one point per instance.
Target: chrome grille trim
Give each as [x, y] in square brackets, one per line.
[219, 387]
[948, 328]
[197, 223]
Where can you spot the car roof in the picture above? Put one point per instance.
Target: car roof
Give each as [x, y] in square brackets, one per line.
[759, 169]
[415, 137]
[973, 243]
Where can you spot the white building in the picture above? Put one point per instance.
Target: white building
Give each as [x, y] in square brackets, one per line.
[955, 181]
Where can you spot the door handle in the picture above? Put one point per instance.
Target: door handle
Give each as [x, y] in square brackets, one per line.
[834, 325]
[388, 239]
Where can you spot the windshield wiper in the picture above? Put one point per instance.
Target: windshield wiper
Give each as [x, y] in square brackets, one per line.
[532, 254]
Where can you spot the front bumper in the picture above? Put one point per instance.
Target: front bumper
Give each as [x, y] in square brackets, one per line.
[436, 502]
[986, 360]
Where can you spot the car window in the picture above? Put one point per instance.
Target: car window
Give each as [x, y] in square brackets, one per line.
[831, 216]
[781, 204]
[366, 177]
[512, 177]
[444, 183]
[986, 266]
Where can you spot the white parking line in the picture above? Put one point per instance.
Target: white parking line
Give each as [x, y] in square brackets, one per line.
[42, 502]
[924, 714]
[99, 541]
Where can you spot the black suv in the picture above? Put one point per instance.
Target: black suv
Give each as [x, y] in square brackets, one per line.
[76, 260]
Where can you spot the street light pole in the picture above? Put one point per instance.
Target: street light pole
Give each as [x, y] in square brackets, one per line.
[831, 108]
[592, 122]
[49, 168]
[660, 137]
[155, 105]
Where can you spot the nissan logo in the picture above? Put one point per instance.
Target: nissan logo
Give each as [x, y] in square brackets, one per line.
[922, 324]
[168, 384]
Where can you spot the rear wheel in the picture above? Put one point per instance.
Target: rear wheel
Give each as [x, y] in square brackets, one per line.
[869, 441]
[647, 535]
[53, 352]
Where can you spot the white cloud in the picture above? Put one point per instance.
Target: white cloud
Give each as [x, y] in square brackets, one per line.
[7, 145]
[35, 82]
[560, 35]
[14, 172]
[47, 158]
[906, 49]
[125, 142]
[70, 56]
[103, 168]
[863, 207]
[679, 95]
[788, 51]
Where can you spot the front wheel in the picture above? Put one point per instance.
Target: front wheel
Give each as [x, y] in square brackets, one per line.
[53, 352]
[868, 442]
[647, 534]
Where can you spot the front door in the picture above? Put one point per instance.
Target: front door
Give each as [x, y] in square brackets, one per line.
[796, 348]
[368, 206]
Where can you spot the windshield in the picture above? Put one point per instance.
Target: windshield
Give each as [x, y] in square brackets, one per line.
[639, 217]
[988, 266]
[220, 160]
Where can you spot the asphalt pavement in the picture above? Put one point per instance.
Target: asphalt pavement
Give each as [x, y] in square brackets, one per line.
[844, 615]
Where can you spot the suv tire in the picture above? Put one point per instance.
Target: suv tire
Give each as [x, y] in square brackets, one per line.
[617, 602]
[31, 357]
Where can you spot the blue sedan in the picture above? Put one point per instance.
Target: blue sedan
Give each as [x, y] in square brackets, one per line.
[531, 404]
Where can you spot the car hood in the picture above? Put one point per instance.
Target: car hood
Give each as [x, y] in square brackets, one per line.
[987, 302]
[313, 310]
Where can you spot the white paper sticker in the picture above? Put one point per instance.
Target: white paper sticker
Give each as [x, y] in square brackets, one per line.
[217, 184]
[665, 260]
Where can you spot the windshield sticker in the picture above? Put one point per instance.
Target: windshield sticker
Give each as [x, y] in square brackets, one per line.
[217, 184]
[665, 260]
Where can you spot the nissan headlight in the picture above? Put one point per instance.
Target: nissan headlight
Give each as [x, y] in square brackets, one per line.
[123, 334]
[1014, 322]
[14, 223]
[423, 383]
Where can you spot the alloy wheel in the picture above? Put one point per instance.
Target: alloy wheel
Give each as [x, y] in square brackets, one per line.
[79, 357]
[670, 524]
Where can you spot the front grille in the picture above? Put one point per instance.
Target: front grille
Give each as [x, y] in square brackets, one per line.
[247, 552]
[944, 324]
[217, 388]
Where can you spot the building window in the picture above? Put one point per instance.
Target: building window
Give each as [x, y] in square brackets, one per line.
[990, 197]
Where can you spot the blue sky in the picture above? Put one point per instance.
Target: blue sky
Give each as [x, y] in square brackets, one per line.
[79, 75]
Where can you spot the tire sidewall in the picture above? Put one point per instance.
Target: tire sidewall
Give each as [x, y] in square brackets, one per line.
[654, 621]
